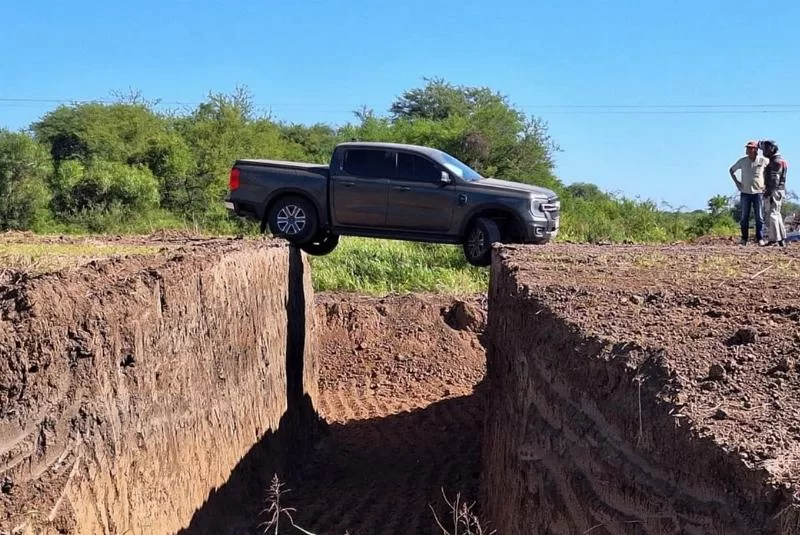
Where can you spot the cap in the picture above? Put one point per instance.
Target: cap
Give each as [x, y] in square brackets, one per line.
[752, 144]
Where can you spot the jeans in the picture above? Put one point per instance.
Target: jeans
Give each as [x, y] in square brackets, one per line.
[753, 200]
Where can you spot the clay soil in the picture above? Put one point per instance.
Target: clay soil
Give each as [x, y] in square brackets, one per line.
[724, 318]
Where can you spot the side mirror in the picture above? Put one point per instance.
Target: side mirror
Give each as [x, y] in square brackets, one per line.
[445, 179]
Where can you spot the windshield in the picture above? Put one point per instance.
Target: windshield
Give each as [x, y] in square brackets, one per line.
[463, 171]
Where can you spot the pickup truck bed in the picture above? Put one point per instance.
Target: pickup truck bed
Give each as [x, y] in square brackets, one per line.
[282, 164]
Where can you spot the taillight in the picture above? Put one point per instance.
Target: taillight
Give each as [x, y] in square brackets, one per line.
[233, 182]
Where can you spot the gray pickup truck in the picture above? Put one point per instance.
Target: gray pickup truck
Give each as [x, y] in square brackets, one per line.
[394, 191]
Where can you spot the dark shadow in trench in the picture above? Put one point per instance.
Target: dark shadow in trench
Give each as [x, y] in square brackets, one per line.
[382, 475]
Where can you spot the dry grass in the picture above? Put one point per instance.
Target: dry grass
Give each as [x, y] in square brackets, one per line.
[47, 257]
[464, 521]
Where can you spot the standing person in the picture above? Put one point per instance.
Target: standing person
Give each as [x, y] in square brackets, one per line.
[774, 192]
[751, 186]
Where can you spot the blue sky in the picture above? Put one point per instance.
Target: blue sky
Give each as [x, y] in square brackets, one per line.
[316, 60]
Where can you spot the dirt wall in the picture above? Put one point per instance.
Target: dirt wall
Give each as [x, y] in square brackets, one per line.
[131, 389]
[583, 433]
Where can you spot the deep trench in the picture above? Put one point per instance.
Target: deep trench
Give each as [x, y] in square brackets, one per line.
[389, 474]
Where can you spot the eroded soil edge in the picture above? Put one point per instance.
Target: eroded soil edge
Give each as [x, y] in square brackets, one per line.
[138, 394]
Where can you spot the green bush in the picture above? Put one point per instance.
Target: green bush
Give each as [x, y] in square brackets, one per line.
[24, 168]
[99, 186]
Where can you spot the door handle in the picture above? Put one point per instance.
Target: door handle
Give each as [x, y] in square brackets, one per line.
[348, 184]
[402, 188]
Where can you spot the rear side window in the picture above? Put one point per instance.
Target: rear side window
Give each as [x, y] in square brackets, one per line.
[369, 163]
[416, 168]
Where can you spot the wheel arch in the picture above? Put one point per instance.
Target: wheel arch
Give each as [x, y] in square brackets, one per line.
[508, 220]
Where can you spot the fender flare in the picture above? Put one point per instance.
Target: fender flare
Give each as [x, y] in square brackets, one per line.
[491, 207]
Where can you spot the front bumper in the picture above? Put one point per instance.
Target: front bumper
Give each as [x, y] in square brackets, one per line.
[542, 230]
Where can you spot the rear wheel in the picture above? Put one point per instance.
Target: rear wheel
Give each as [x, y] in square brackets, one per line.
[293, 218]
[478, 242]
[322, 244]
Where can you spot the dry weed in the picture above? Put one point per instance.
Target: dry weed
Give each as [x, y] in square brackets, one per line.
[465, 522]
[275, 510]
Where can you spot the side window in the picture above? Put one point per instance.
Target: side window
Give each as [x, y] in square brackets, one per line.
[416, 168]
[369, 163]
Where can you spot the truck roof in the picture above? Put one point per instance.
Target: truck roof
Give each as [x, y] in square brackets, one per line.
[391, 146]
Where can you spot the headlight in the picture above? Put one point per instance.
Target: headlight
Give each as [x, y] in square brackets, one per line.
[541, 205]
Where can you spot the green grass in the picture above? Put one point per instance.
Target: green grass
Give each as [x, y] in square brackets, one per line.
[46, 257]
[385, 266]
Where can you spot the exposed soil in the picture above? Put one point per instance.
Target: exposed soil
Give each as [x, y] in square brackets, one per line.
[397, 385]
[727, 320]
[131, 387]
[709, 330]
[709, 335]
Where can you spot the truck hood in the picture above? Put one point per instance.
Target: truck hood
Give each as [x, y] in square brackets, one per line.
[494, 184]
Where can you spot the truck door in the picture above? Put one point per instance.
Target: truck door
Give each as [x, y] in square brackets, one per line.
[418, 199]
[359, 189]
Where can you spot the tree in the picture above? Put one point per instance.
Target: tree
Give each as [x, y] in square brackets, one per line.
[589, 192]
[477, 125]
[24, 166]
[112, 132]
[717, 219]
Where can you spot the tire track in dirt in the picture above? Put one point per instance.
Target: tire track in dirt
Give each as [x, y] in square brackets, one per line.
[395, 440]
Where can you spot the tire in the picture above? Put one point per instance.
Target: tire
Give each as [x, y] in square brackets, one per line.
[293, 218]
[321, 244]
[478, 242]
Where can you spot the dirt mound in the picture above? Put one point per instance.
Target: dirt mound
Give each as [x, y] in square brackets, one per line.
[130, 388]
[398, 386]
[646, 390]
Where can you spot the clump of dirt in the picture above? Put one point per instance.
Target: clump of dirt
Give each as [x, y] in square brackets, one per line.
[466, 316]
[671, 365]
[743, 336]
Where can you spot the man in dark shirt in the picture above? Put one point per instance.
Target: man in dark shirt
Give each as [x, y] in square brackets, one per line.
[774, 192]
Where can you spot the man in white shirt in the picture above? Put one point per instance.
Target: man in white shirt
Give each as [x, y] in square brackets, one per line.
[751, 189]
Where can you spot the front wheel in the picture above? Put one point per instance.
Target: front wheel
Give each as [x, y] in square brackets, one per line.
[321, 245]
[478, 243]
[293, 218]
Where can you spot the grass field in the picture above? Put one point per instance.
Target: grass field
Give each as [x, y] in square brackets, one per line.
[382, 266]
[44, 257]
